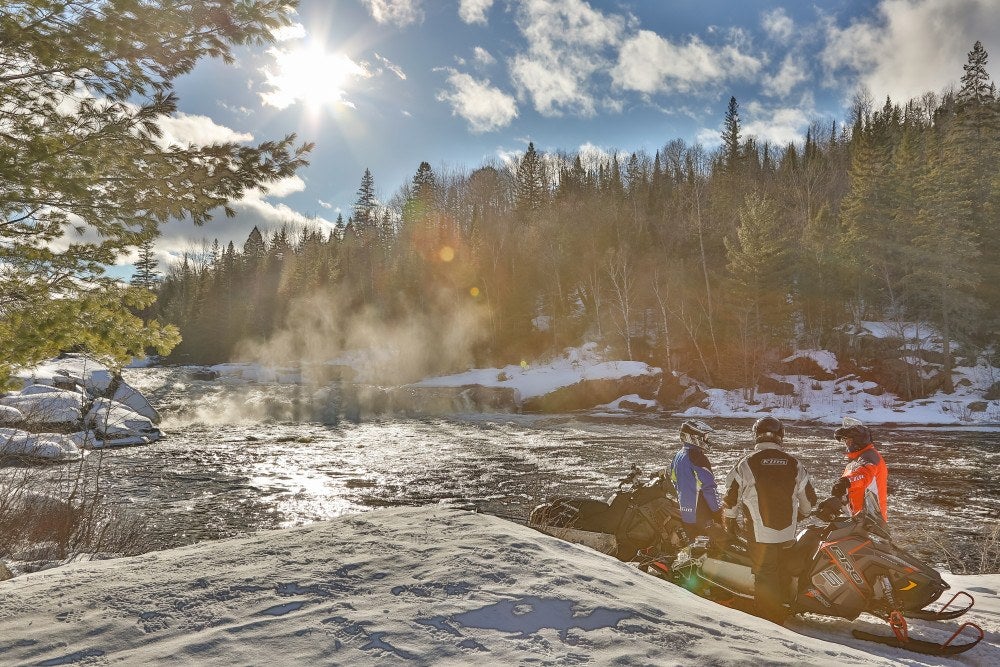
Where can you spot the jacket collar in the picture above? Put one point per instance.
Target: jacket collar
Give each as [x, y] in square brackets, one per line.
[858, 452]
[761, 446]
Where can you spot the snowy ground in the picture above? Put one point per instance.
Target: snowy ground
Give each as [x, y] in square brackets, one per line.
[431, 585]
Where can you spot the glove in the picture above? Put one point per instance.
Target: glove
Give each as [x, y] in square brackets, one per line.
[840, 487]
[829, 508]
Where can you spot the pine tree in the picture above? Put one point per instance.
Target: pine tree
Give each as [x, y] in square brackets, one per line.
[146, 276]
[366, 205]
[760, 272]
[99, 164]
[731, 137]
[531, 190]
[254, 248]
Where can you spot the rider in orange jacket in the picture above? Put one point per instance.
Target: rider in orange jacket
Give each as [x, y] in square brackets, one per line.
[865, 477]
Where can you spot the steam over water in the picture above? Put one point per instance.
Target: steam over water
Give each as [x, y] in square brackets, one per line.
[220, 471]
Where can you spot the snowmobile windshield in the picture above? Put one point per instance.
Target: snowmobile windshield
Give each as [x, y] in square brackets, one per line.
[871, 515]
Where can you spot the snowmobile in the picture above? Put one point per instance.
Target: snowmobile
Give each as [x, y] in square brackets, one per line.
[842, 566]
[639, 517]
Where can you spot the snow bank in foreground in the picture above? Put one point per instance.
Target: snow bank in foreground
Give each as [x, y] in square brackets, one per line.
[423, 585]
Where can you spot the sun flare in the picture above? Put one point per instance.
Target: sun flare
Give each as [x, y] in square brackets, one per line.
[312, 75]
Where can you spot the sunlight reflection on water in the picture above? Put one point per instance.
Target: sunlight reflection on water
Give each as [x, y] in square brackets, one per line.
[209, 480]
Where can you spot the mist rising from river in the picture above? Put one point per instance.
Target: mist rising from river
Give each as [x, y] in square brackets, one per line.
[428, 338]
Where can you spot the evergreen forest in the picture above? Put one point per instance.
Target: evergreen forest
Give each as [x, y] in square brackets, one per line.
[716, 263]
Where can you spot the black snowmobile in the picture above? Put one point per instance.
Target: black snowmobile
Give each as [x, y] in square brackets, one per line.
[638, 518]
[843, 566]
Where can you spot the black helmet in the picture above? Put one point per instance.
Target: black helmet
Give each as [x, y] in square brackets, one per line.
[860, 435]
[696, 432]
[768, 429]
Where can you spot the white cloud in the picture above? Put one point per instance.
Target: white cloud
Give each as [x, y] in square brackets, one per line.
[289, 32]
[474, 11]
[778, 24]
[325, 204]
[778, 125]
[253, 210]
[484, 107]
[391, 66]
[649, 63]
[183, 129]
[911, 46]
[567, 45]
[398, 12]
[790, 74]
[483, 56]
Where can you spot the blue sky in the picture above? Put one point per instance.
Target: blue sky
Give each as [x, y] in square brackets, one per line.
[386, 84]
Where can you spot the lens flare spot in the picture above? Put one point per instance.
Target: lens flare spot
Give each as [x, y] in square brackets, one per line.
[474, 291]
[447, 253]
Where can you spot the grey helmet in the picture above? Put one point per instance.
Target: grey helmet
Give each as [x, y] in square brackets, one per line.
[696, 432]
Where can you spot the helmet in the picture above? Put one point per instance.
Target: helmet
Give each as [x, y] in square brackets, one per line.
[696, 432]
[768, 429]
[859, 434]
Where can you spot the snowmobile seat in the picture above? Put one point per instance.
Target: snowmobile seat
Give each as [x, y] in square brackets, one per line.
[797, 557]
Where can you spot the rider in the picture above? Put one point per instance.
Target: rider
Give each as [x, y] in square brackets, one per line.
[691, 474]
[866, 475]
[773, 490]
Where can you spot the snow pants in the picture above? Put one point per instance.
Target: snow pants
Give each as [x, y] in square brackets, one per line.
[772, 581]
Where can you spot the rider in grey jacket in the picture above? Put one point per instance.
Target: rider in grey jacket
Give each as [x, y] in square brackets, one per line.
[773, 491]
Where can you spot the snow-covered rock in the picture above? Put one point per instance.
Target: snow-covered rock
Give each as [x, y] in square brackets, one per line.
[580, 378]
[115, 420]
[94, 440]
[89, 373]
[135, 400]
[48, 446]
[10, 415]
[47, 406]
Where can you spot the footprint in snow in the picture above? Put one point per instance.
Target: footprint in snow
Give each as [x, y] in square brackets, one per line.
[282, 609]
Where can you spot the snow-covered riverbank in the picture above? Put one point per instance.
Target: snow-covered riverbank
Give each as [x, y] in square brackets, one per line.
[428, 585]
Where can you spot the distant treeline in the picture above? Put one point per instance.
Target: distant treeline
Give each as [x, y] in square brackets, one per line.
[715, 263]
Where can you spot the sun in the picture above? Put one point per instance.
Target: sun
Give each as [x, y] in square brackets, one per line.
[311, 75]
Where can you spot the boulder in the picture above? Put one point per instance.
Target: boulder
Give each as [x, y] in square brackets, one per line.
[48, 446]
[93, 440]
[111, 419]
[10, 416]
[136, 401]
[993, 393]
[803, 365]
[589, 393]
[769, 385]
[637, 406]
[978, 406]
[45, 405]
[203, 374]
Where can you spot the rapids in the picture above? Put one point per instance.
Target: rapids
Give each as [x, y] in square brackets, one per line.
[233, 461]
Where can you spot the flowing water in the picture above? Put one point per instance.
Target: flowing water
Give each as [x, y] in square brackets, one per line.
[222, 471]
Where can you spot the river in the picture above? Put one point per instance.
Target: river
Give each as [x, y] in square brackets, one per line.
[223, 470]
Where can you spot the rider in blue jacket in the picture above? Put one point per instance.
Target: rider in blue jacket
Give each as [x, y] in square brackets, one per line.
[691, 474]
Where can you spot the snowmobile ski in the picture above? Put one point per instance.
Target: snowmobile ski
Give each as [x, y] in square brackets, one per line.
[901, 638]
[945, 613]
